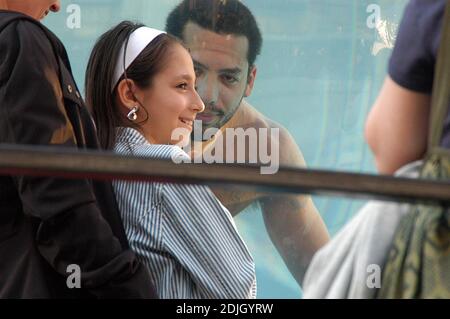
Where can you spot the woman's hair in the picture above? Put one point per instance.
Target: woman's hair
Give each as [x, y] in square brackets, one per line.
[100, 100]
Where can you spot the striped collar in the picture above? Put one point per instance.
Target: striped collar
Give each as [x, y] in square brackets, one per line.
[130, 135]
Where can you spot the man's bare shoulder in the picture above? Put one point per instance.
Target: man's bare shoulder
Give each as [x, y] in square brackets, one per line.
[249, 116]
[290, 153]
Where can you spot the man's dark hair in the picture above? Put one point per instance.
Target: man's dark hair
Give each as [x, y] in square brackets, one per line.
[219, 16]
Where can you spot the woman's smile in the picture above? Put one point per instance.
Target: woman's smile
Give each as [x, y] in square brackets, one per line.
[189, 123]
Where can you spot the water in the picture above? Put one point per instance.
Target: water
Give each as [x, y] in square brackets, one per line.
[322, 65]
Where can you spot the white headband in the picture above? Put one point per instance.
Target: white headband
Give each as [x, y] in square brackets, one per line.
[137, 42]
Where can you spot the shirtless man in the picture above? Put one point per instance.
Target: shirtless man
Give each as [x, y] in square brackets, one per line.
[224, 41]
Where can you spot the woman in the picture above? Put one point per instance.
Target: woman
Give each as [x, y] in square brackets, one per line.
[40, 218]
[144, 104]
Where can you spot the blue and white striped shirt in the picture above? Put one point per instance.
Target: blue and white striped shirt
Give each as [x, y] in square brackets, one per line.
[182, 233]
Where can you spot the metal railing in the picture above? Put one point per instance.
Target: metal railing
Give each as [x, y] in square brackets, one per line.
[70, 163]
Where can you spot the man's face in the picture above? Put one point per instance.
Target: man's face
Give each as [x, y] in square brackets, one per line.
[222, 70]
[37, 9]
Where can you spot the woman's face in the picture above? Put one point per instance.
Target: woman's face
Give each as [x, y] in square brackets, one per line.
[37, 9]
[172, 103]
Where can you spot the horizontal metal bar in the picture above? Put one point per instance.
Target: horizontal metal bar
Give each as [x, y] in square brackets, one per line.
[69, 163]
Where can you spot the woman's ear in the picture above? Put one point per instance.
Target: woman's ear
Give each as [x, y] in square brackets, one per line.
[127, 93]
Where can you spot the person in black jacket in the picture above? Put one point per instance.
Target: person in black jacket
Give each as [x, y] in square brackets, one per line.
[50, 227]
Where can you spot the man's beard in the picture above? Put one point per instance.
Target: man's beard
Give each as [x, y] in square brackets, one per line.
[222, 122]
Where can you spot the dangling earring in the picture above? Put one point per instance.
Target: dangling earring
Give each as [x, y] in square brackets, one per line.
[132, 115]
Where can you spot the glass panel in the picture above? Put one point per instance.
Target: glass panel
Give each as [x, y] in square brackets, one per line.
[322, 65]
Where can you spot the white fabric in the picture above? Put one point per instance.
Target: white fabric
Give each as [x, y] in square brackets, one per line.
[340, 270]
[137, 42]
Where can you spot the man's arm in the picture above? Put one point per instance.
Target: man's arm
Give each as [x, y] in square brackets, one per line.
[397, 126]
[296, 229]
[292, 221]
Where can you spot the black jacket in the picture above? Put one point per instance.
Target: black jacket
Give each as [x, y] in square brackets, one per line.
[47, 224]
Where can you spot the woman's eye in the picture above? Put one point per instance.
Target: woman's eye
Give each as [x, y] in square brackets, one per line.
[183, 86]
